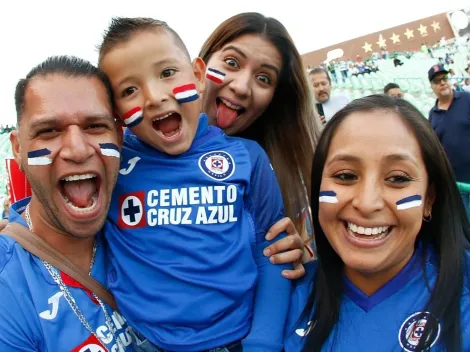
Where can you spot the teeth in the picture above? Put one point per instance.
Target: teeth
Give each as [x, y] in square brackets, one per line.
[78, 177]
[163, 117]
[230, 105]
[368, 231]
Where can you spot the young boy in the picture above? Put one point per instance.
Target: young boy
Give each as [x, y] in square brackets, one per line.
[191, 207]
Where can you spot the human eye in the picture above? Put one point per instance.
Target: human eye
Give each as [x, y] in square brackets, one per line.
[168, 72]
[47, 132]
[399, 179]
[265, 79]
[128, 91]
[232, 62]
[98, 127]
[345, 176]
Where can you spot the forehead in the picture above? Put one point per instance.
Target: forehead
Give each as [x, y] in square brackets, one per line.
[142, 49]
[319, 77]
[256, 49]
[373, 135]
[395, 90]
[65, 97]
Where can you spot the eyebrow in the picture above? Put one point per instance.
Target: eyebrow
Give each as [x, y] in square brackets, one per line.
[355, 159]
[51, 121]
[165, 61]
[242, 54]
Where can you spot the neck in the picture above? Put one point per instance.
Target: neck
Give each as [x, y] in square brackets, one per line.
[446, 99]
[78, 250]
[369, 283]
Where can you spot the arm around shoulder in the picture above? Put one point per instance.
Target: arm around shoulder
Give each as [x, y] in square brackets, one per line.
[272, 291]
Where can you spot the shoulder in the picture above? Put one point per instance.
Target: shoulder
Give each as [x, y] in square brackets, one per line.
[7, 247]
[252, 147]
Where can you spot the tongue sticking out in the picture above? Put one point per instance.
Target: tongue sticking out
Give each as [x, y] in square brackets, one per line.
[225, 115]
[169, 125]
[80, 192]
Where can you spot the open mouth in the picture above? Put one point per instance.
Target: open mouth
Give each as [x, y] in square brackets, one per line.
[169, 125]
[227, 112]
[367, 233]
[80, 192]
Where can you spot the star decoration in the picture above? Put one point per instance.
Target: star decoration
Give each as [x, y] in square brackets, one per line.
[423, 30]
[395, 38]
[381, 41]
[409, 34]
[436, 26]
[367, 47]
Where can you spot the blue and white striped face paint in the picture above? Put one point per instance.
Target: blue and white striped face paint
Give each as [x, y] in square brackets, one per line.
[110, 149]
[328, 197]
[410, 202]
[39, 157]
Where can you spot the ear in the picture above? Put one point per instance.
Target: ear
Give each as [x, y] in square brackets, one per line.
[15, 146]
[430, 199]
[199, 69]
[119, 125]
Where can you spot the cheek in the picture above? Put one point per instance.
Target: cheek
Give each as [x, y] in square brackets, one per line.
[262, 99]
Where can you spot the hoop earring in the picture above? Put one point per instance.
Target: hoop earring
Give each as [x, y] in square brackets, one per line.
[427, 218]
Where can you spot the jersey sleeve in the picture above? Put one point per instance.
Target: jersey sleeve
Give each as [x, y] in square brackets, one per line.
[272, 290]
[16, 333]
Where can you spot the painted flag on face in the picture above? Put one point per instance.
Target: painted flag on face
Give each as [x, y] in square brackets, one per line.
[133, 117]
[215, 75]
[110, 149]
[39, 157]
[328, 197]
[186, 93]
[409, 202]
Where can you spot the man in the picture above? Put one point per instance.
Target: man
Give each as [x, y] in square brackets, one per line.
[65, 121]
[326, 105]
[450, 119]
[393, 90]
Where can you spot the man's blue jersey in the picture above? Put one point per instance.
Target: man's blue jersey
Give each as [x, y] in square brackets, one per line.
[186, 234]
[34, 315]
[389, 320]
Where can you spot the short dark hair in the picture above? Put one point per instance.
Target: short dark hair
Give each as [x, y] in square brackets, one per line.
[68, 66]
[122, 28]
[390, 86]
[319, 69]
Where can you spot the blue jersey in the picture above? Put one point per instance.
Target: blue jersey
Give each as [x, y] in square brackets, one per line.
[389, 320]
[186, 234]
[34, 314]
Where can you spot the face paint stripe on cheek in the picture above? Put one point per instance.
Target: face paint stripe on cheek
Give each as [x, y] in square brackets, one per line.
[133, 117]
[186, 93]
[409, 202]
[39, 157]
[110, 149]
[328, 197]
[215, 75]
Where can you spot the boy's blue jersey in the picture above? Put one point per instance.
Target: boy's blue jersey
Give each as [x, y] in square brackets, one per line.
[186, 234]
[389, 320]
[34, 314]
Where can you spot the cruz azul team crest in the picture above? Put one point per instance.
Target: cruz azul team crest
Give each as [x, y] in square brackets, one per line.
[218, 165]
[412, 329]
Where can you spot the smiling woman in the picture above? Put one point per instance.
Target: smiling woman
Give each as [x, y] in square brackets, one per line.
[393, 260]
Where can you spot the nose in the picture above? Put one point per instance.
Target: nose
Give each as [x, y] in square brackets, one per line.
[76, 146]
[368, 198]
[155, 95]
[241, 84]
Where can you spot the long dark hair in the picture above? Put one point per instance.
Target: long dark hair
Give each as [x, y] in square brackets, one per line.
[286, 130]
[448, 233]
